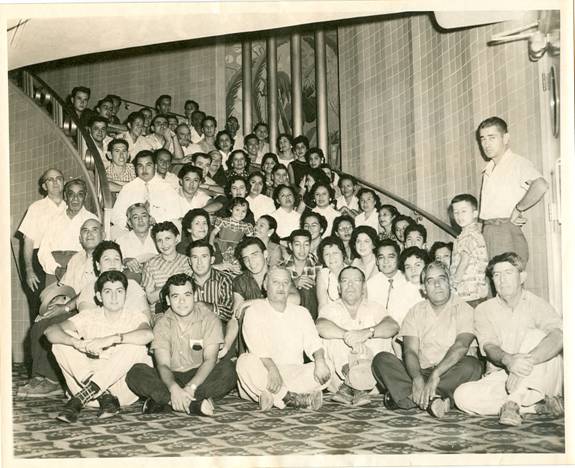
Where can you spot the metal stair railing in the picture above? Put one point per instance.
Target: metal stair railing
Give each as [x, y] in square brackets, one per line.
[86, 151]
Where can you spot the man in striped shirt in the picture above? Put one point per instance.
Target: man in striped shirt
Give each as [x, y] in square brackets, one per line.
[158, 269]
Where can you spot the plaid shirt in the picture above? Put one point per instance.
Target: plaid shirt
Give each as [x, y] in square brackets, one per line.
[310, 269]
[115, 173]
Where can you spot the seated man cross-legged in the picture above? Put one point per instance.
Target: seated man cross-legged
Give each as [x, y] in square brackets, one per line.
[277, 333]
[96, 348]
[521, 336]
[186, 342]
[436, 336]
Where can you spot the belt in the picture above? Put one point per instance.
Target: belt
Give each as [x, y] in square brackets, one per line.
[496, 221]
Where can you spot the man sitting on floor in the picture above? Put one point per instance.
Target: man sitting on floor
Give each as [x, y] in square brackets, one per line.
[521, 336]
[277, 334]
[96, 348]
[186, 344]
[353, 331]
[436, 336]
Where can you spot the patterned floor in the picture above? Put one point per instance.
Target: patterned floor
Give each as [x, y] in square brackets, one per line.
[237, 429]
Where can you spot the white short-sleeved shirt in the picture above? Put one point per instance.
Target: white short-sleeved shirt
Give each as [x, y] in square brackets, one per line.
[79, 272]
[368, 315]
[39, 217]
[132, 247]
[261, 205]
[437, 332]
[199, 200]
[136, 300]
[329, 213]
[496, 323]
[372, 220]
[403, 294]
[62, 234]
[161, 195]
[281, 336]
[504, 185]
[134, 147]
[287, 221]
[352, 205]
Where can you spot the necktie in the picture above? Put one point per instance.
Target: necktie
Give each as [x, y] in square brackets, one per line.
[147, 196]
[389, 293]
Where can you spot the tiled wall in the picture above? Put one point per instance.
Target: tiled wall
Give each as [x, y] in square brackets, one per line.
[411, 99]
[35, 146]
[182, 72]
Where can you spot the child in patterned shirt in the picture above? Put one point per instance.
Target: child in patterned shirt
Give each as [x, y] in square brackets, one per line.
[119, 172]
[469, 257]
[228, 232]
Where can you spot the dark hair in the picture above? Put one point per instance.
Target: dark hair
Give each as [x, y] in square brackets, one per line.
[493, 122]
[191, 101]
[231, 158]
[284, 135]
[417, 228]
[301, 139]
[234, 178]
[260, 175]
[164, 226]
[326, 242]
[277, 167]
[509, 257]
[314, 150]
[220, 134]
[198, 244]
[246, 242]
[462, 197]
[179, 279]
[369, 232]
[412, 252]
[260, 124]
[103, 100]
[143, 154]
[250, 136]
[267, 156]
[198, 112]
[100, 249]
[272, 224]
[157, 116]
[328, 187]
[189, 218]
[133, 116]
[388, 243]
[439, 245]
[117, 141]
[399, 218]
[322, 221]
[363, 190]
[162, 97]
[346, 177]
[114, 97]
[238, 201]
[96, 119]
[210, 117]
[110, 277]
[277, 191]
[391, 208]
[80, 89]
[186, 168]
[299, 233]
[164, 151]
[340, 219]
[199, 154]
[351, 267]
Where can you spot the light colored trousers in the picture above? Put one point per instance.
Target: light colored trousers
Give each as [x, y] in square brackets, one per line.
[486, 396]
[108, 371]
[253, 379]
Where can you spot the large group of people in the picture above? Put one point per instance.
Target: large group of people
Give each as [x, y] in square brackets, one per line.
[232, 267]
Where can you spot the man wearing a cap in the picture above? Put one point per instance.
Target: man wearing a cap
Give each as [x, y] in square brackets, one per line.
[80, 272]
[353, 331]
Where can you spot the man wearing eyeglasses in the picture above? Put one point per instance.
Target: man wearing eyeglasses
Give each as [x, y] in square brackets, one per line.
[353, 331]
[437, 334]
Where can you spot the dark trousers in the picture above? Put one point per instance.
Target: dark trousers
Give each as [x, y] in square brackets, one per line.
[391, 374]
[33, 297]
[43, 361]
[145, 381]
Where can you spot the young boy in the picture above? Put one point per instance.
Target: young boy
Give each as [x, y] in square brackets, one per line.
[303, 267]
[469, 257]
[251, 147]
[158, 269]
[412, 261]
[119, 172]
[186, 344]
[98, 127]
[416, 236]
[115, 336]
[298, 168]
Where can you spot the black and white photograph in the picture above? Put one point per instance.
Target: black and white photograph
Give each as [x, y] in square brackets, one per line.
[288, 233]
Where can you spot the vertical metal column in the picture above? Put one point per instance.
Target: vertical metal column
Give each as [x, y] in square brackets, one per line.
[246, 87]
[321, 90]
[296, 98]
[272, 71]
